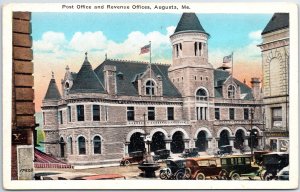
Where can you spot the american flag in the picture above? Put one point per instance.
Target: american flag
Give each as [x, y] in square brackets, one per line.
[227, 58]
[145, 49]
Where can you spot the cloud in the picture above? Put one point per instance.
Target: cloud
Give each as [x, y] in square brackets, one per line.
[87, 41]
[50, 42]
[255, 35]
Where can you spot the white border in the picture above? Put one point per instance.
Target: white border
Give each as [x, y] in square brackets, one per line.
[153, 184]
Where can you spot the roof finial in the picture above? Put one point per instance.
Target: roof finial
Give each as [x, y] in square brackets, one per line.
[244, 81]
[52, 74]
[86, 59]
[105, 56]
[67, 68]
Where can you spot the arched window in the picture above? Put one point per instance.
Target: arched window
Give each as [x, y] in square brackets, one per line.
[81, 145]
[231, 91]
[150, 87]
[97, 145]
[70, 145]
[201, 95]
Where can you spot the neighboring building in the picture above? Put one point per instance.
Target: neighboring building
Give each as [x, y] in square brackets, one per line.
[275, 61]
[105, 113]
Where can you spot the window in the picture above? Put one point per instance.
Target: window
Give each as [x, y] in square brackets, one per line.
[70, 142]
[81, 145]
[106, 113]
[201, 113]
[60, 117]
[151, 113]
[246, 114]
[277, 117]
[97, 145]
[130, 113]
[217, 113]
[80, 112]
[44, 118]
[150, 88]
[231, 113]
[231, 92]
[201, 95]
[69, 114]
[96, 113]
[197, 48]
[170, 113]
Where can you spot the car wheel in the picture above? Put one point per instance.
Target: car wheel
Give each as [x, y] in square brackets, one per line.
[188, 173]
[235, 176]
[223, 175]
[262, 174]
[126, 163]
[200, 176]
[163, 175]
[179, 175]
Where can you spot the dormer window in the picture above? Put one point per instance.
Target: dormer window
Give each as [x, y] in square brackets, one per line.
[231, 92]
[67, 85]
[201, 95]
[150, 86]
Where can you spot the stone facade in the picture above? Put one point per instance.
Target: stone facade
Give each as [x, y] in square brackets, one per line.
[187, 106]
[275, 60]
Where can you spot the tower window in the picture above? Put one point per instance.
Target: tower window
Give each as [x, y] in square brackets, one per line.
[195, 77]
[80, 112]
[170, 113]
[201, 113]
[206, 78]
[231, 113]
[198, 48]
[217, 113]
[60, 116]
[69, 114]
[130, 113]
[96, 113]
[231, 92]
[201, 95]
[97, 145]
[246, 114]
[151, 113]
[81, 145]
[150, 88]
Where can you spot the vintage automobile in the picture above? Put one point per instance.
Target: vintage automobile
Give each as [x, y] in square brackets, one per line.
[161, 154]
[200, 168]
[133, 157]
[224, 150]
[273, 163]
[174, 170]
[283, 174]
[258, 156]
[191, 152]
[236, 166]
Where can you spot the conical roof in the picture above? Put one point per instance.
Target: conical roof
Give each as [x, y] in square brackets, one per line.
[52, 92]
[189, 22]
[277, 22]
[86, 80]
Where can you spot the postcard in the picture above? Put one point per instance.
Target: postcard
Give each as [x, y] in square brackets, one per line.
[150, 96]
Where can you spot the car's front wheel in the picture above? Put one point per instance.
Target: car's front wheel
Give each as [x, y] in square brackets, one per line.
[235, 176]
[179, 175]
[126, 163]
[200, 176]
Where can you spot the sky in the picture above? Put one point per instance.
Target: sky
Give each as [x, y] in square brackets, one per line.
[61, 39]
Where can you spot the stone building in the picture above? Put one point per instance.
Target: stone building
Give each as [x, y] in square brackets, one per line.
[275, 61]
[104, 113]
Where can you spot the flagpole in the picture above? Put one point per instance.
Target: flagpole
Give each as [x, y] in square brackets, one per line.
[232, 74]
[150, 68]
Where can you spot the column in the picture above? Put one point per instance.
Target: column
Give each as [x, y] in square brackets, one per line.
[246, 144]
[168, 144]
[126, 147]
[186, 143]
[231, 141]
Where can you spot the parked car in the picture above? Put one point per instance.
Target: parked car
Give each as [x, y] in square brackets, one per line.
[133, 157]
[258, 156]
[191, 152]
[273, 163]
[161, 154]
[224, 150]
[200, 168]
[236, 166]
[174, 170]
[283, 174]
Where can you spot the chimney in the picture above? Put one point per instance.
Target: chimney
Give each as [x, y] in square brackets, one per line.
[110, 79]
[255, 85]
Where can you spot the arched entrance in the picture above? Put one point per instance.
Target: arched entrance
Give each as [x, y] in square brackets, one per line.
[224, 138]
[253, 137]
[201, 142]
[136, 142]
[177, 144]
[62, 147]
[239, 139]
[158, 141]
